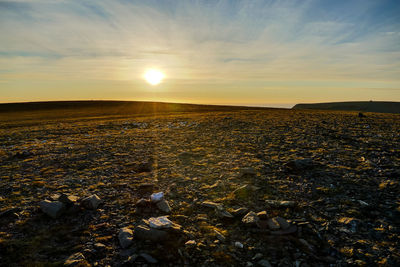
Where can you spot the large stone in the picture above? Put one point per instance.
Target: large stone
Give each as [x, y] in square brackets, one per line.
[250, 218]
[144, 232]
[52, 208]
[164, 206]
[125, 237]
[91, 202]
[161, 222]
[68, 200]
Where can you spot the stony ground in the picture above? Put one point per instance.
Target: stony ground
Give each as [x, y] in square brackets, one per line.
[340, 174]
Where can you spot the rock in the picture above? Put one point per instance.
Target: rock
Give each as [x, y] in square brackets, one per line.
[100, 246]
[156, 197]
[250, 218]
[125, 237]
[10, 213]
[264, 263]
[68, 200]
[52, 208]
[212, 205]
[224, 214]
[190, 243]
[148, 258]
[76, 259]
[262, 215]
[350, 223]
[273, 224]
[91, 202]
[161, 222]
[240, 211]
[282, 222]
[144, 232]
[238, 244]
[280, 204]
[163, 206]
[257, 256]
[219, 236]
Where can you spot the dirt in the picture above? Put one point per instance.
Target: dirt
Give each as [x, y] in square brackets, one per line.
[340, 173]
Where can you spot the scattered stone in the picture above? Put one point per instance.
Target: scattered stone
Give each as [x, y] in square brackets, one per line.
[163, 206]
[156, 197]
[100, 246]
[282, 222]
[262, 215]
[125, 237]
[238, 244]
[52, 208]
[190, 243]
[148, 258]
[240, 211]
[351, 223]
[202, 217]
[219, 236]
[250, 218]
[91, 202]
[144, 232]
[224, 214]
[161, 222]
[264, 263]
[212, 205]
[280, 204]
[76, 259]
[273, 224]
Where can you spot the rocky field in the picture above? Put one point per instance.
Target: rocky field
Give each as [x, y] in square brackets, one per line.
[240, 188]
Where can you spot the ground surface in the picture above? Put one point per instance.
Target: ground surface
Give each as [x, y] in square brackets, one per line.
[346, 192]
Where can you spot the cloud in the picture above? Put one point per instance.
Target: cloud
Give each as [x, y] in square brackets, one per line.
[198, 42]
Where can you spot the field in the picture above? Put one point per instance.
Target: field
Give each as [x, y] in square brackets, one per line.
[331, 178]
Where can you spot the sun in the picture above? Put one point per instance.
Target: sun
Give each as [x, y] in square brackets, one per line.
[154, 76]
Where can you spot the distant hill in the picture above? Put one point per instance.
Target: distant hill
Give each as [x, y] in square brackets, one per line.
[362, 106]
[98, 108]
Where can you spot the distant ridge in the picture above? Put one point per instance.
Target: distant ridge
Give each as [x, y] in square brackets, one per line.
[362, 106]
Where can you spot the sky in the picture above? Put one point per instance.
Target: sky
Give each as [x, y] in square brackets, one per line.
[258, 53]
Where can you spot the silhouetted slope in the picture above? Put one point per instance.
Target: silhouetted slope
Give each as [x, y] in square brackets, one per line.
[363, 106]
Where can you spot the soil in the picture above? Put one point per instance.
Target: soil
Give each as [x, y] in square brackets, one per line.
[340, 172]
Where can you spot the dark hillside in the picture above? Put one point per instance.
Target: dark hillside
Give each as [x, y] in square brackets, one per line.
[363, 106]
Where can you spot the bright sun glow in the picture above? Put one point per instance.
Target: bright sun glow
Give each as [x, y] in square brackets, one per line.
[153, 76]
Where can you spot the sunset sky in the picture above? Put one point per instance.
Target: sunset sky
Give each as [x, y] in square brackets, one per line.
[268, 53]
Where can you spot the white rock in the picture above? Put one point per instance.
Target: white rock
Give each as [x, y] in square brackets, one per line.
[238, 244]
[160, 222]
[156, 197]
